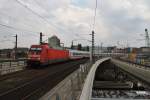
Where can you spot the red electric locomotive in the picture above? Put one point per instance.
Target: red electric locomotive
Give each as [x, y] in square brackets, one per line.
[43, 55]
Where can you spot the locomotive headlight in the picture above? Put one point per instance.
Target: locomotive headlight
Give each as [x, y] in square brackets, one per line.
[38, 58]
[29, 57]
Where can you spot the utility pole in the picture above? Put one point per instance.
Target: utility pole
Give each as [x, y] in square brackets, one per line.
[147, 40]
[41, 35]
[15, 49]
[101, 48]
[72, 44]
[98, 51]
[92, 50]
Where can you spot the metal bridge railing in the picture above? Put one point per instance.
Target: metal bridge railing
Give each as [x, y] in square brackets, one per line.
[87, 88]
[10, 66]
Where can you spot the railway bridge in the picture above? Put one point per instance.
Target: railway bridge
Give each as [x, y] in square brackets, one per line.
[108, 78]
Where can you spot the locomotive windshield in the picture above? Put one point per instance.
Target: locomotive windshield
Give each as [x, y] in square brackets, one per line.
[35, 49]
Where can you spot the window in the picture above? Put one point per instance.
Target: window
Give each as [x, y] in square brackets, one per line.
[35, 50]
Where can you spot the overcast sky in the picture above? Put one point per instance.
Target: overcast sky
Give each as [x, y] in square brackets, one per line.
[116, 20]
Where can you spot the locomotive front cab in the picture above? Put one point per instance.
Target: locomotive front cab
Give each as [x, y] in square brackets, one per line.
[38, 55]
[34, 55]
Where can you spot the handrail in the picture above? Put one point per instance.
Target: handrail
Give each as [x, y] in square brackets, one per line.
[13, 60]
[87, 88]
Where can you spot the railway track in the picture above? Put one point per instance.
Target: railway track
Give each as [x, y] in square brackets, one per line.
[37, 82]
[117, 80]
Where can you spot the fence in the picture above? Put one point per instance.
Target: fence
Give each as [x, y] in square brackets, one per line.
[71, 87]
[10, 66]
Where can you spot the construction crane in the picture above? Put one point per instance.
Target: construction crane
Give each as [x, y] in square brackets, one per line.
[147, 40]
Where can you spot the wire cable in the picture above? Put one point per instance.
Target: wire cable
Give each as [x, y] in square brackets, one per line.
[31, 10]
[95, 11]
[47, 21]
[35, 13]
[11, 27]
[5, 40]
[14, 19]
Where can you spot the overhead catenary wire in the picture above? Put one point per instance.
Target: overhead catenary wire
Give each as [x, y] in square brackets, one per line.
[37, 14]
[11, 27]
[57, 28]
[44, 19]
[95, 13]
[15, 19]
[5, 40]
[31, 10]
[22, 32]
[94, 20]
[82, 36]
[48, 20]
